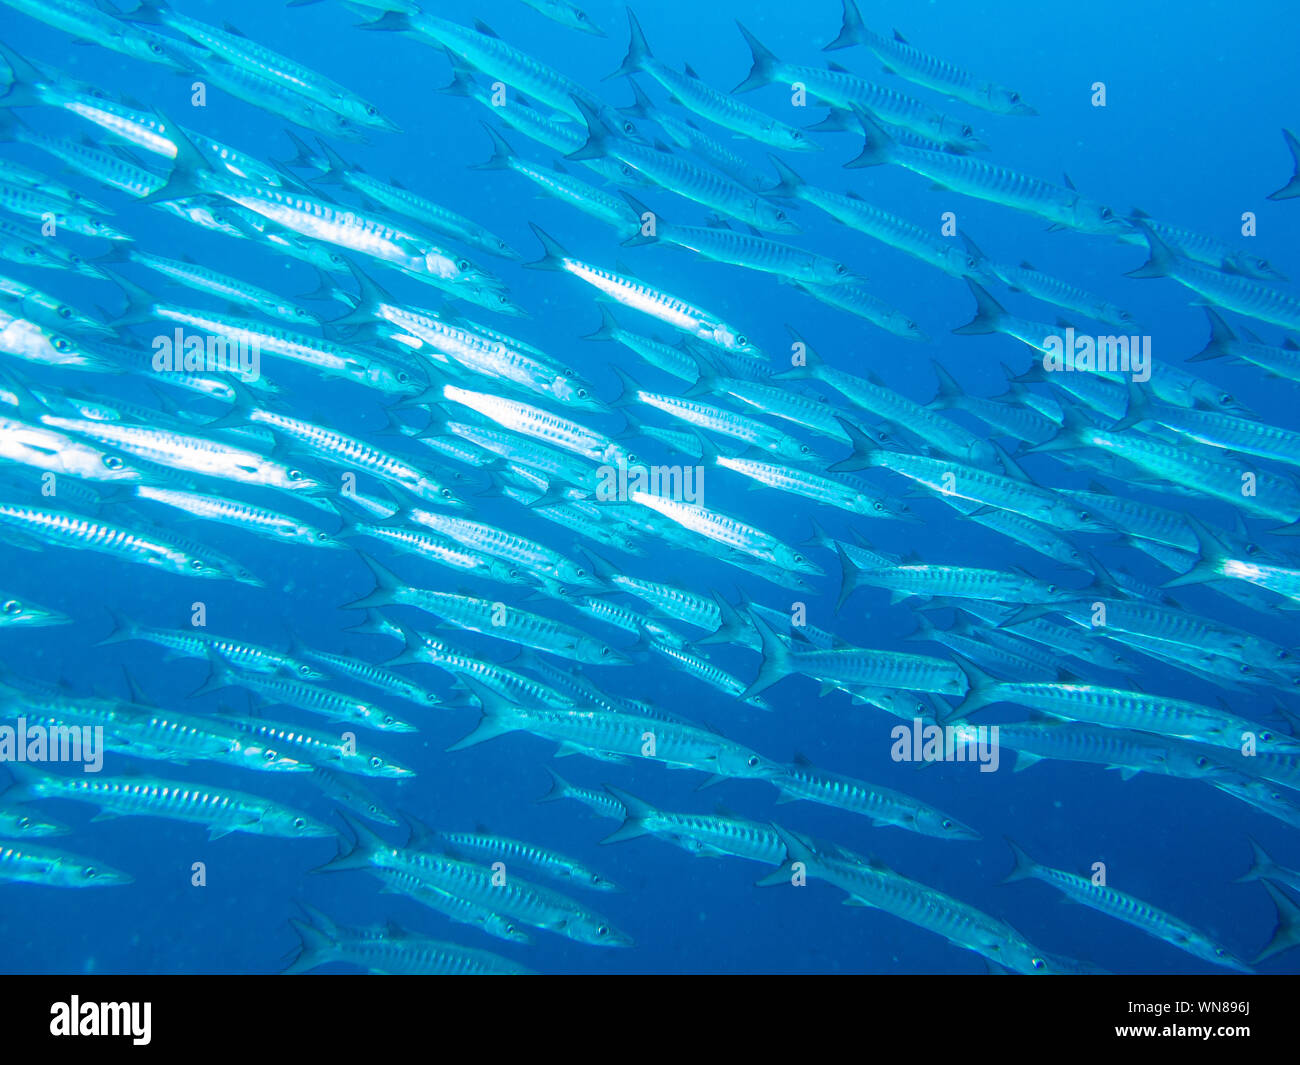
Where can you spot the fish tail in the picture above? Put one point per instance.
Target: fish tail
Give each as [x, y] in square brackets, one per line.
[988, 313]
[863, 448]
[609, 327]
[776, 659]
[1221, 338]
[788, 183]
[1260, 861]
[852, 28]
[187, 170]
[497, 720]
[638, 50]
[123, 630]
[596, 146]
[147, 13]
[1025, 867]
[387, 587]
[1286, 933]
[637, 812]
[730, 628]
[877, 145]
[1292, 188]
[848, 577]
[502, 153]
[1160, 261]
[553, 255]
[24, 79]
[560, 788]
[763, 70]
[1210, 551]
[315, 948]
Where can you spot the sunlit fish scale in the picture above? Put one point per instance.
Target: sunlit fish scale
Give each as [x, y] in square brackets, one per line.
[703, 835]
[838, 87]
[220, 811]
[971, 176]
[1115, 903]
[551, 863]
[714, 105]
[26, 864]
[918, 67]
[690, 319]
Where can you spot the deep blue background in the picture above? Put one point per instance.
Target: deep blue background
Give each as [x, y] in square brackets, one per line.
[1190, 135]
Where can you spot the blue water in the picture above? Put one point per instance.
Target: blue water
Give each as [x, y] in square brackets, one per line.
[1191, 135]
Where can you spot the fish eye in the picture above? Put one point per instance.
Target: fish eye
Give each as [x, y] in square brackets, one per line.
[804, 449]
[24, 822]
[798, 558]
[568, 372]
[604, 651]
[780, 216]
[402, 377]
[90, 872]
[1085, 516]
[389, 719]
[196, 564]
[603, 930]
[295, 475]
[1266, 736]
[371, 110]
[1051, 589]
[113, 462]
[1226, 398]
[752, 761]
[375, 761]
[1202, 762]
[947, 822]
[462, 264]
[304, 669]
[60, 344]
[1015, 97]
[877, 505]
[912, 325]
[64, 312]
[1038, 963]
[13, 606]
[581, 16]
[268, 756]
[299, 822]
[1106, 212]
[582, 573]
[743, 341]
[840, 268]
[629, 127]
[966, 131]
[582, 393]
[446, 493]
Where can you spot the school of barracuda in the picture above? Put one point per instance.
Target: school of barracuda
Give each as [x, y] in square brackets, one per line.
[475, 405]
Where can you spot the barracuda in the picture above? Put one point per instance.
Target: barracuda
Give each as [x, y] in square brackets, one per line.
[221, 812]
[686, 317]
[1114, 903]
[546, 861]
[969, 176]
[703, 835]
[837, 87]
[26, 864]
